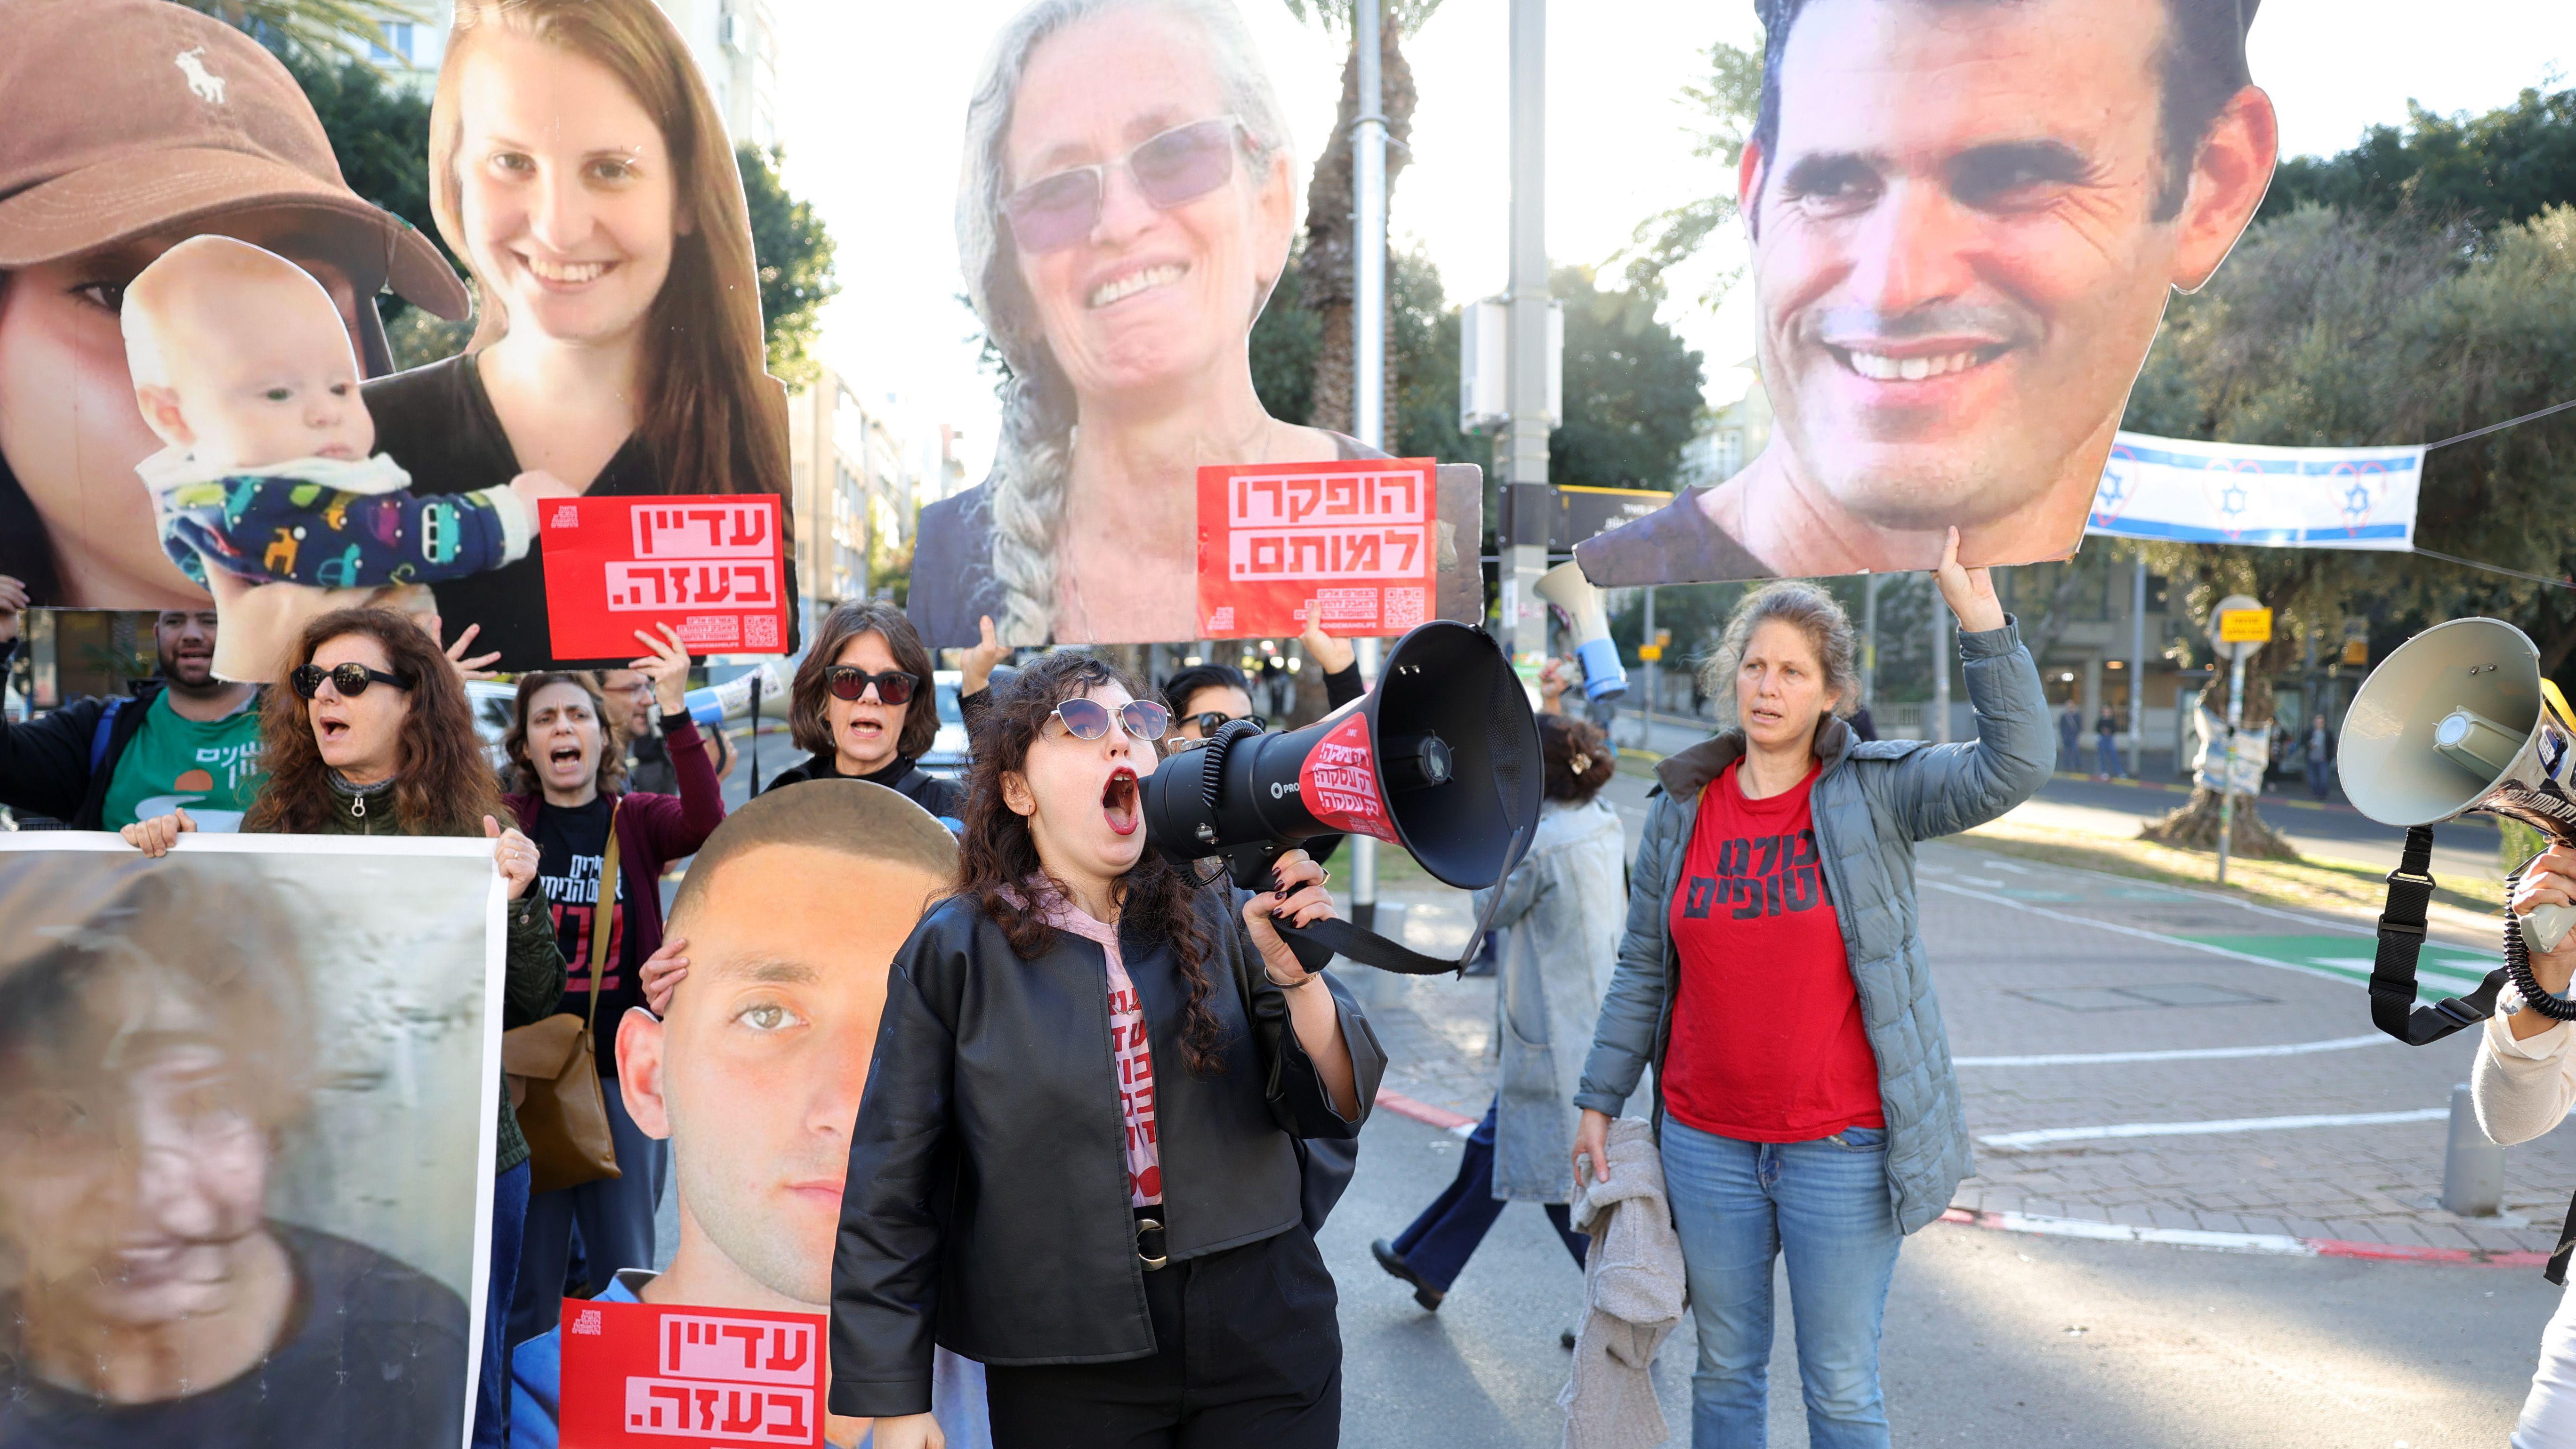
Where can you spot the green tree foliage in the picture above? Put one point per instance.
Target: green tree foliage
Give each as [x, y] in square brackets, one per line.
[1632, 390]
[316, 29]
[2488, 170]
[2329, 329]
[794, 254]
[1721, 110]
[380, 136]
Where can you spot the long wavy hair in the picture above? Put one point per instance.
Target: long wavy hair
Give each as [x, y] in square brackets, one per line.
[1033, 455]
[710, 415]
[997, 858]
[611, 777]
[442, 783]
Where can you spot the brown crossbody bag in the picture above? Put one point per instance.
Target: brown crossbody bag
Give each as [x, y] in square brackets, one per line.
[553, 1071]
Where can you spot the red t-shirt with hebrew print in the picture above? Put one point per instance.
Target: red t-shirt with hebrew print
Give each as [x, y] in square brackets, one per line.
[1767, 1042]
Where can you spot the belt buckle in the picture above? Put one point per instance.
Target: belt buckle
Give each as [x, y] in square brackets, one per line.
[1151, 1261]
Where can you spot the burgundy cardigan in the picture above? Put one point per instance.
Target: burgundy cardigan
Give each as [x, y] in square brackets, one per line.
[654, 830]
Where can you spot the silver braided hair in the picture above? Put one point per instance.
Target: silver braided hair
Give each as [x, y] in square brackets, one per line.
[1033, 455]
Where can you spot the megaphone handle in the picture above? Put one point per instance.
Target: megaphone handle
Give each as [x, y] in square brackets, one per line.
[2547, 926]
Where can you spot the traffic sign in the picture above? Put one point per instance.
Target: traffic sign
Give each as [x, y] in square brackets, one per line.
[1650, 652]
[2245, 626]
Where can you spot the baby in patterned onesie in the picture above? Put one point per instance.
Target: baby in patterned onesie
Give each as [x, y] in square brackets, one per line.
[242, 365]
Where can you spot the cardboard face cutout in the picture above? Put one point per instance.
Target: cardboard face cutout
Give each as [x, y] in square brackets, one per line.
[248, 1105]
[1964, 221]
[554, 178]
[1129, 198]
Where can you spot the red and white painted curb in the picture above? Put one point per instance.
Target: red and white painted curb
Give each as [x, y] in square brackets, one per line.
[1423, 1112]
[2278, 1243]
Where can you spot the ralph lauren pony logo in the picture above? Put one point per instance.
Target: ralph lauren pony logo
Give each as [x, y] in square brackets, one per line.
[1758, 875]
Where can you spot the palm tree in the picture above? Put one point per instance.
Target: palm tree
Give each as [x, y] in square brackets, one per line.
[322, 29]
[1326, 274]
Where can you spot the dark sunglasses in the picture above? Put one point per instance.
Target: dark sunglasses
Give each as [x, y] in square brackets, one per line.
[1210, 721]
[350, 679]
[1088, 719]
[1181, 165]
[848, 681]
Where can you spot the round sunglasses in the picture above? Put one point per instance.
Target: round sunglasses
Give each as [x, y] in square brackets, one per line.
[351, 680]
[1172, 169]
[1210, 721]
[1088, 719]
[848, 681]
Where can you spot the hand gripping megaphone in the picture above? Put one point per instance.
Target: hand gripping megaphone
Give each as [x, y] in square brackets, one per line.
[1567, 588]
[1441, 758]
[2458, 719]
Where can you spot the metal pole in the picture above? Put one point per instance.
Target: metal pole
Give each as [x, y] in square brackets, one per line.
[1368, 331]
[1869, 640]
[2138, 671]
[2472, 1164]
[1940, 665]
[2227, 781]
[1524, 460]
[756, 677]
[1646, 726]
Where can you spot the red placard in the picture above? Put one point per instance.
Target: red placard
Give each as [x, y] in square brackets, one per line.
[712, 567]
[676, 1377]
[1355, 539]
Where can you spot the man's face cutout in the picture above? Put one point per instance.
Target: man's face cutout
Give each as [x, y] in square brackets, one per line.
[1963, 241]
[755, 1075]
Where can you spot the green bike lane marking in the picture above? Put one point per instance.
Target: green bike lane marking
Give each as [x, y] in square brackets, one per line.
[2441, 971]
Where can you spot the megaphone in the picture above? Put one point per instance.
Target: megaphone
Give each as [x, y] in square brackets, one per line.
[2460, 718]
[1441, 759]
[713, 704]
[1567, 588]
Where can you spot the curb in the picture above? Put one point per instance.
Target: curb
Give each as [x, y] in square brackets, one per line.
[1423, 1112]
[2273, 1243]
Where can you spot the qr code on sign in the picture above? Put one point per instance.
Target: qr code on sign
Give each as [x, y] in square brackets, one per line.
[1404, 608]
[760, 631]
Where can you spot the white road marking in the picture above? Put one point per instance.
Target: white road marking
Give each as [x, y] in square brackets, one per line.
[2160, 938]
[2046, 1135]
[1993, 864]
[2185, 1054]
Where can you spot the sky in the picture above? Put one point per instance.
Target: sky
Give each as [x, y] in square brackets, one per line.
[872, 100]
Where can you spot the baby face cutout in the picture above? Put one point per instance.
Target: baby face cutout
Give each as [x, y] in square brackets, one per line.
[241, 359]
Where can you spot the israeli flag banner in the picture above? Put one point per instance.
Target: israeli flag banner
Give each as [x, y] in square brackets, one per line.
[2175, 491]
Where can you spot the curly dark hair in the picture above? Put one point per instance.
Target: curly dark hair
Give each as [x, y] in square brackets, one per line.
[611, 778]
[445, 785]
[1562, 740]
[808, 697]
[997, 858]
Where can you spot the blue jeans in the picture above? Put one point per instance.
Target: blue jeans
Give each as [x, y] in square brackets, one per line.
[1739, 1205]
[1440, 1241]
[614, 1214]
[2108, 753]
[509, 1226]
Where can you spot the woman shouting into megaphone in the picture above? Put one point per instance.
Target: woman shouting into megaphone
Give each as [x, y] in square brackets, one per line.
[1773, 974]
[1077, 1016]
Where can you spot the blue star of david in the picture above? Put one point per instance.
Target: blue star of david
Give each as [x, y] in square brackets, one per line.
[2231, 499]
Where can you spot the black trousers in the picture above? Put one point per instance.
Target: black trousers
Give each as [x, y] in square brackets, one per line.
[1248, 1355]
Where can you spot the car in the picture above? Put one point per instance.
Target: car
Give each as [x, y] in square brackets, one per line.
[948, 754]
[494, 703]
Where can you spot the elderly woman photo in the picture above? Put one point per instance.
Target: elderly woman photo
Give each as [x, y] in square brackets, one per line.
[152, 1074]
[1129, 196]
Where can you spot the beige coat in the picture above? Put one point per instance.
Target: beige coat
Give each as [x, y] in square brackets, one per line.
[1632, 1290]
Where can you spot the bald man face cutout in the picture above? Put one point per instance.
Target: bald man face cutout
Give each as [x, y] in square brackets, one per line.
[754, 1077]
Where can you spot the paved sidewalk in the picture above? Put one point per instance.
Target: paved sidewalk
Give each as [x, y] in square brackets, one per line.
[2036, 963]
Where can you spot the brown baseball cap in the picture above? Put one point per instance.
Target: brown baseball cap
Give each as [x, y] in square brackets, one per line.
[124, 117]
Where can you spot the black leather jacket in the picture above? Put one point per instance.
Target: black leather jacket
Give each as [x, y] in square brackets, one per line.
[987, 1202]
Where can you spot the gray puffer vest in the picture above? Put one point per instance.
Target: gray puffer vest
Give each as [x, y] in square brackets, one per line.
[1874, 800]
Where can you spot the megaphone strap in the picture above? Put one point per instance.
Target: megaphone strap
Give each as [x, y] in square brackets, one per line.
[2402, 925]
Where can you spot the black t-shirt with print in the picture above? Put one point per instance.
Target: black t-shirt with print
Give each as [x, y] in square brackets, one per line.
[572, 844]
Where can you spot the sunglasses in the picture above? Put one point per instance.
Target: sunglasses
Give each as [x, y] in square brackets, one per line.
[351, 680]
[1181, 165]
[1213, 720]
[850, 682]
[1088, 719]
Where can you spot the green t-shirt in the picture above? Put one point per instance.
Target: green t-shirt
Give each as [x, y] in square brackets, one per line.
[211, 770]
